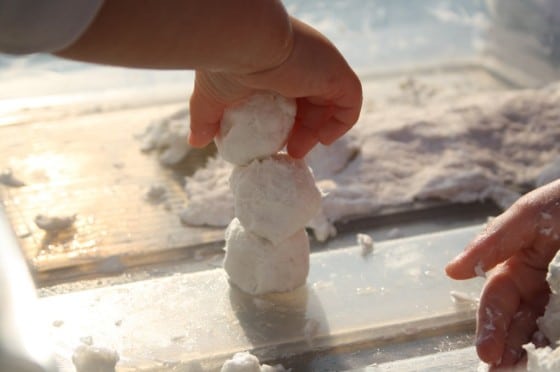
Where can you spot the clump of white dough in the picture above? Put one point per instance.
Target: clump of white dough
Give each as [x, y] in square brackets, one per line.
[257, 266]
[267, 248]
[89, 358]
[246, 362]
[547, 359]
[275, 197]
[256, 128]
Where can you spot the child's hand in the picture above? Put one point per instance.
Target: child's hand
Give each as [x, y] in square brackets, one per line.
[520, 243]
[328, 93]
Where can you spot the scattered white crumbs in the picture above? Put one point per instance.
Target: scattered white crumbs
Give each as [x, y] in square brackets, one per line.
[365, 242]
[7, 178]
[54, 223]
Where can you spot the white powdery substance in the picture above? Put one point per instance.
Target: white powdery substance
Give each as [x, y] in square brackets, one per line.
[275, 197]
[169, 137]
[246, 362]
[89, 358]
[256, 128]
[54, 223]
[209, 197]
[468, 149]
[257, 266]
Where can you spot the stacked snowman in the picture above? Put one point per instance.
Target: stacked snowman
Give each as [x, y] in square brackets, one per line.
[267, 248]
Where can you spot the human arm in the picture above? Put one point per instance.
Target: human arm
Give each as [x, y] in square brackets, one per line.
[519, 244]
[237, 48]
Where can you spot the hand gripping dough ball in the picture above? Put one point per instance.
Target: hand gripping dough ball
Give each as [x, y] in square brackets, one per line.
[256, 128]
[257, 266]
[275, 197]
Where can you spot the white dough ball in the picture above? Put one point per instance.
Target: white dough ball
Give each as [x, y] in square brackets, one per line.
[257, 266]
[275, 197]
[256, 128]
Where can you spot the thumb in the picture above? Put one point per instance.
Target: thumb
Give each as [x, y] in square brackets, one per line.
[205, 115]
[212, 93]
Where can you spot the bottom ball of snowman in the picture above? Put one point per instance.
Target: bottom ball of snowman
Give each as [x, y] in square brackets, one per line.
[257, 266]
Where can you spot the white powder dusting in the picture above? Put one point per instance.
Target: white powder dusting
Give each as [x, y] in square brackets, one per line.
[246, 362]
[483, 147]
[366, 243]
[479, 271]
[169, 137]
[89, 358]
[54, 223]
[255, 128]
[7, 178]
[257, 266]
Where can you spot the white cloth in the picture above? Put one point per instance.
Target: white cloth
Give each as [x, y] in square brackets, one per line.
[33, 26]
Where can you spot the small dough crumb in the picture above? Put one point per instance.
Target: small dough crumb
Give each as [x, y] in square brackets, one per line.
[156, 193]
[54, 223]
[394, 233]
[57, 323]
[310, 330]
[7, 178]
[246, 362]
[366, 242]
[462, 297]
[89, 358]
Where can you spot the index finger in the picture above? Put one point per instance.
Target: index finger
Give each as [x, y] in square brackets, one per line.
[531, 225]
[512, 231]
